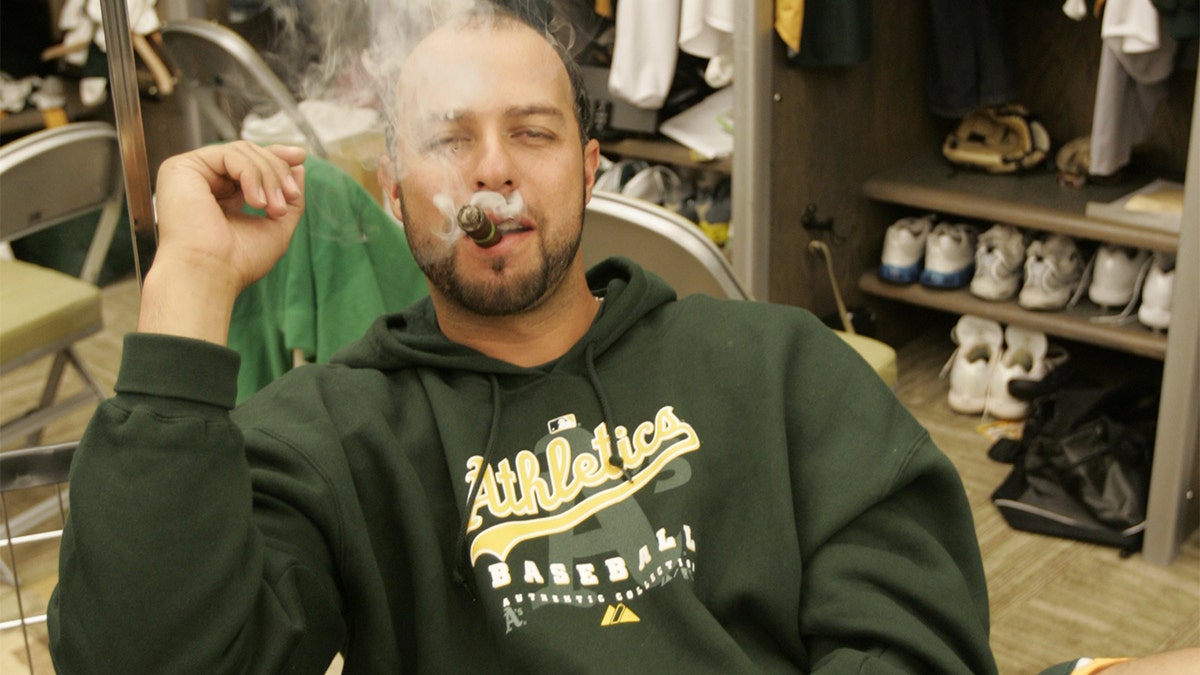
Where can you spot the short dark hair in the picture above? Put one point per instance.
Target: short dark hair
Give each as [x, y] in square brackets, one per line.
[492, 14]
[541, 18]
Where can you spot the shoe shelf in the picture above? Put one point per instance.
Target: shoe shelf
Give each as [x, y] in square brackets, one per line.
[664, 151]
[1073, 324]
[1032, 200]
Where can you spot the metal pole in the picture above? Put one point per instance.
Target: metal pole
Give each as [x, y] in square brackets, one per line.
[122, 78]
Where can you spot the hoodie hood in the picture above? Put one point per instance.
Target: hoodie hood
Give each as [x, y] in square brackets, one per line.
[413, 339]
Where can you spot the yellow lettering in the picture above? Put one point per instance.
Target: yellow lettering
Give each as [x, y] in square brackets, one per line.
[558, 463]
[625, 449]
[473, 465]
[521, 490]
[507, 480]
[532, 487]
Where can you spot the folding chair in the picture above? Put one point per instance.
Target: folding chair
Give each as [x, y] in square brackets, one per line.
[30, 469]
[228, 79]
[677, 250]
[47, 178]
[662, 241]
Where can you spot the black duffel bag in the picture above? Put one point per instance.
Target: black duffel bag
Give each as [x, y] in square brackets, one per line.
[1082, 467]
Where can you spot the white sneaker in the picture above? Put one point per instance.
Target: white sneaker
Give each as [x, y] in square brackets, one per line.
[971, 364]
[949, 256]
[1115, 275]
[999, 259]
[614, 178]
[904, 249]
[656, 184]
[1024, 358]
[1053, 267]
[1155, 311]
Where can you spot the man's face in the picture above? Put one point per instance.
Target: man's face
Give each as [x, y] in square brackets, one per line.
[490, 110]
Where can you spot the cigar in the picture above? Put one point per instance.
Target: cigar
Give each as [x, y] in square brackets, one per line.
[478, 226]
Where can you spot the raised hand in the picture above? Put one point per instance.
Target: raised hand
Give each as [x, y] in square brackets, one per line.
[209, 249]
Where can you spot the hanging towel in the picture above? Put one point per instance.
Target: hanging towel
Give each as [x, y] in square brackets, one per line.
[1130, 26]
[706, 30]
[789, 22]
[1136, 58]
[645, 49]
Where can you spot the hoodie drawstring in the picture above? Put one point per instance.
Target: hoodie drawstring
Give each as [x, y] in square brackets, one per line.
[461, 572]
[605, 411]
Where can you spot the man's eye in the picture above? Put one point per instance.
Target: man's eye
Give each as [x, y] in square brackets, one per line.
[450, 145]
[535, 135]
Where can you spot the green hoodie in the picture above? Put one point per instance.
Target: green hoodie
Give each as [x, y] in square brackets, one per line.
[696, 486]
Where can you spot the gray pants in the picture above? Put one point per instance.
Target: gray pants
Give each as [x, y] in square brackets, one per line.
[1128, 90]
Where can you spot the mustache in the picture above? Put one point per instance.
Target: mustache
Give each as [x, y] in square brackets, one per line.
[489, 206]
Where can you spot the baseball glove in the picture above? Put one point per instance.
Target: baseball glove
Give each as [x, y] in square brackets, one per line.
[1000, 139]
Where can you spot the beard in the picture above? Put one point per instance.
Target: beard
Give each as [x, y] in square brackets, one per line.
[503, 292]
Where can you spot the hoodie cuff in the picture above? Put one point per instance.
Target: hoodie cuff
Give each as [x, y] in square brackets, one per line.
[180, 368]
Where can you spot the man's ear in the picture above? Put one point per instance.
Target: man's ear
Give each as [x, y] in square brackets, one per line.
[391, 186]
[591, 163]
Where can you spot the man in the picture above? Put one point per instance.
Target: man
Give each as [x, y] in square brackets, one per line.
[536, 470]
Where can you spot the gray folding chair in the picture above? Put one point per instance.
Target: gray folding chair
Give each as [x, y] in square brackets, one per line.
[677, 250]
[33, 470]
[228, 79]
[662, 241]
[47, 178]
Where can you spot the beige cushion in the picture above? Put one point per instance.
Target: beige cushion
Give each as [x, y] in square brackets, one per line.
[40, 306]
[880, 356]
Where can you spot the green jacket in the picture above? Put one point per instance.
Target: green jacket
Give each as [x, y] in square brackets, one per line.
[348, 262]
[696, 486]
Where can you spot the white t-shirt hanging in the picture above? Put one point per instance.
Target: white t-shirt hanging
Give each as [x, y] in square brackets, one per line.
[644, 52]
[706, 30]
[1131, 26]
[706, 27]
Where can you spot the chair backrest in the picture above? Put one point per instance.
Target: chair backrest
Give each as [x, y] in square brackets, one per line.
[677, 250]
[214, 60]
[659, 240]
[57, 174]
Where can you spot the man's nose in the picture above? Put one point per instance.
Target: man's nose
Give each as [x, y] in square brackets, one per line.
[494, 167]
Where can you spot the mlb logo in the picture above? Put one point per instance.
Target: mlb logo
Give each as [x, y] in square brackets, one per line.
[563, 423]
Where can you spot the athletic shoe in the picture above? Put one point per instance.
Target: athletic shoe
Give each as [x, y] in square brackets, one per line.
[1024, 358]
[949, 256]
[904, 249]
[999, 259]
[1060, 372]
[656, 184]
[971, 364]
[1053, 267]
[1155, 311]
[614, 178]
[1115, 275]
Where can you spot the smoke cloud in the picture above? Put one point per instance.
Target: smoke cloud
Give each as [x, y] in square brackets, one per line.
[353, 52]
